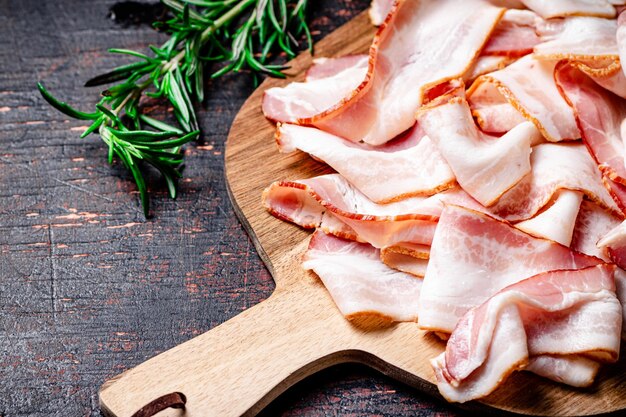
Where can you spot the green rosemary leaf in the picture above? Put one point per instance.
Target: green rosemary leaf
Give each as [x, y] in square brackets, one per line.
[117, 74]
[63, 107]
[144, 135]
[159, 125]
[94, 126]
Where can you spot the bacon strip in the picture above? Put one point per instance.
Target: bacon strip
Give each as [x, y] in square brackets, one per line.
[406, 167]
[383, 105]
[561, 8]
[473, 256]
[557, 222]
[543, 308]
[600, 115]
[486, 167]
[359, 283]
[528, 84]
[554, 167]
[592, 224]
[515, 35]
[328, 81]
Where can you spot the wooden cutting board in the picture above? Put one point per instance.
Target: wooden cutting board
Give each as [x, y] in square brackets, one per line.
[240, 366]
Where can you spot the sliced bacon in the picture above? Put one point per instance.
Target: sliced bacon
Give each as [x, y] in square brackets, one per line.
[572, 370]
[581, 38]
[384, 104]
[484, 166]
[308, 202]
[554, 167]
[409, 258]
[379, 9]
[528, 84]
[600, 115]
[473, 256]
[328, 82]
[323, 68]
[359, 283]
[561, 8]
[615, 243]
[589, 44]
[486, 64]
[543, 308]
[515, 35]
[556, 222]
[592, 224]
[406, 167]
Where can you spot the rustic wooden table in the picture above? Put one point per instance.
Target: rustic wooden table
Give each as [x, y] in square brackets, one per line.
[88, 287]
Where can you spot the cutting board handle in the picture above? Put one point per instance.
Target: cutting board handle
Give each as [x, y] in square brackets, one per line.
[238, 367]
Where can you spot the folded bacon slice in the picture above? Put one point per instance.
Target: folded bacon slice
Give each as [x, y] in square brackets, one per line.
[309, 202]
[473, 256]
[359, 283]
[557, 222]
[561, 8]
[572, 370]
[383, 106]
[615, 243]
[515, 35]
[328, 81]
[592, 224]
[406, 167]
[544, 308]
[590, 44]
[554, 167]
[484, 166]
[528, 84]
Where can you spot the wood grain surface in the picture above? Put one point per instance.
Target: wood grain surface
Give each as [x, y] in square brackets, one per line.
[243, 364]
[88, 288]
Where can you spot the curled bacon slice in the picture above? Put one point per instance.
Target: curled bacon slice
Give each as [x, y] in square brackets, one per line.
[561, 8]
[557, 222]
[309, 202]
[328, 81]
[515, 35]
[537, 312]
[592, 224]
[406, 167]
[383, 104]
[473, 256]
[528, 84]
[486, 167]
[554, 167]
[359, 283]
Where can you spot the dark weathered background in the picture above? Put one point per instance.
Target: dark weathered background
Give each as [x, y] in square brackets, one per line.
[88, 288]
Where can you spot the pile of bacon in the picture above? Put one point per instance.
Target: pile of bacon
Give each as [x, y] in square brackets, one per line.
[480, 186]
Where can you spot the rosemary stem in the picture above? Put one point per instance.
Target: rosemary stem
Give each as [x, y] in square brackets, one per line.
[232, 13]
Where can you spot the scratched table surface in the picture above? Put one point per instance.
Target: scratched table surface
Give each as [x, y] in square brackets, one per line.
[88, 287]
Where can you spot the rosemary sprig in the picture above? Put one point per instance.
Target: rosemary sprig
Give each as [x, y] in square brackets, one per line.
[239, 34]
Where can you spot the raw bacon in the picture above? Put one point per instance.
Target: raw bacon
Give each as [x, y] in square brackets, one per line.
[556, 222]
[308, 202]
[328, 82]
[556, 312]
[409, 166]
[473, 256]
[359, 283]
[554, 167]
[486, 167]
[561, 8]
[528, 84]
